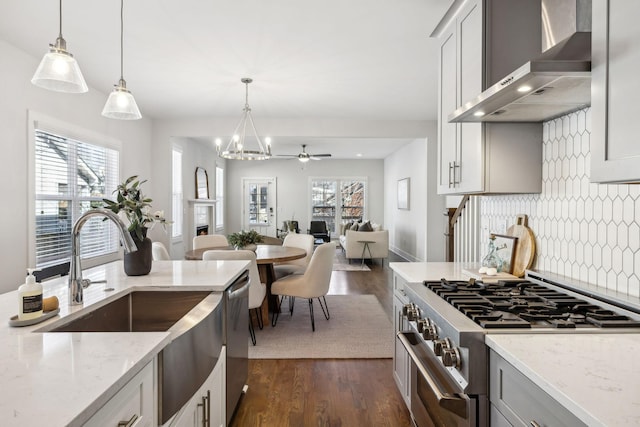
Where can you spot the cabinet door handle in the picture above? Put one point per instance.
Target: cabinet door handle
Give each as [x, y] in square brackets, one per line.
[206, 409]
[534, 424]
[450, 169]
[129, 423]
[456, 166]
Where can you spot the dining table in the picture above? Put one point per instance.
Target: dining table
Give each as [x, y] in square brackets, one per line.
[266, 257]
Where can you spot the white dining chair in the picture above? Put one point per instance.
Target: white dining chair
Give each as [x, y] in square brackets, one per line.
[297, 266]
[314, 283]
[159, 252]
[210, 241]
[257, 289]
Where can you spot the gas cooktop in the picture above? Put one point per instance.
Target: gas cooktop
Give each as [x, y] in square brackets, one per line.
[524, 304]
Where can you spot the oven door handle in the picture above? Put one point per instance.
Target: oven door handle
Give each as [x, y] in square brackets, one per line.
[456, 403]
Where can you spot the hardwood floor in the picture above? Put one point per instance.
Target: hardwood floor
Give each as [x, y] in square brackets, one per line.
[328, 392]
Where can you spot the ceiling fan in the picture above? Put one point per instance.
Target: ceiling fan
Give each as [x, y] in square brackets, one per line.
[304, 156]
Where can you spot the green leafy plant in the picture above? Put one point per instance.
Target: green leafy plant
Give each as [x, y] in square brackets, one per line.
[136, 207]
[244, 238]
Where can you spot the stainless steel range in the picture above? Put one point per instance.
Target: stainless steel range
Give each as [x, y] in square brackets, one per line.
[444, 323]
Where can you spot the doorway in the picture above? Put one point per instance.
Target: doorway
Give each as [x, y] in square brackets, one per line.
[259, 205]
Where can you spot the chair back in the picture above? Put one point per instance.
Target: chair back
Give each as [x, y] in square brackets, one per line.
[210, 241]
[302, 241]
[318, 274]
[159, 252]
[257, 290]
[318, 227]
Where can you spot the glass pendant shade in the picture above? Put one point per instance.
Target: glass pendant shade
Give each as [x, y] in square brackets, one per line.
[121, 105]
[59, 71]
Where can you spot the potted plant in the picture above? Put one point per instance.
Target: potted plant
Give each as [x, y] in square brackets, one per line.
[245, 239]
[135, 208]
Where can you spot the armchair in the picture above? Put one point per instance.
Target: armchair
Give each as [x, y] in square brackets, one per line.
[319, 230]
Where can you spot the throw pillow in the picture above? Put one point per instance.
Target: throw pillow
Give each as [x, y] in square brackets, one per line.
[365, 227]
[354, 227]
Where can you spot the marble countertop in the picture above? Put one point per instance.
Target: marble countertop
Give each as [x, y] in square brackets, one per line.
[63, 378]
[416, 272]
[595, 376]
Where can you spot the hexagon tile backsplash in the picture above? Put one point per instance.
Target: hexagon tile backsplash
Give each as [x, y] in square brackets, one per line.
[589, 232]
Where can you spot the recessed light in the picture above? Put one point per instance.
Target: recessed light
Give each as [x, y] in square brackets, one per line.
[479, 113]
[359, 155]
[524, 88]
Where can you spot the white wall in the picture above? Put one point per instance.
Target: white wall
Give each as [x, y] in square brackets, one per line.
[292, 180]
[416, 234]
[80, 110]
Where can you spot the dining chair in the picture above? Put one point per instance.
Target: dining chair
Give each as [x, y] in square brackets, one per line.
[297, 266]
[257, 289]
[159, 252]
[314, 283]
[210, 241]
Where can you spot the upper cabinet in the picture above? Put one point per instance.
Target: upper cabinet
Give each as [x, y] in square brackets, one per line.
[615, 152]
[480, 42]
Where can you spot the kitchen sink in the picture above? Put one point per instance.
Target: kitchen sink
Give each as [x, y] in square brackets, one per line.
[138, 311]
[194, 321]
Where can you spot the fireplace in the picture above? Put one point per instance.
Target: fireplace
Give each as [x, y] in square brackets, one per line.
[202, 230]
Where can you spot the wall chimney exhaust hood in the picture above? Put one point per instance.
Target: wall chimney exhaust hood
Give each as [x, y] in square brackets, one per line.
[556, 83]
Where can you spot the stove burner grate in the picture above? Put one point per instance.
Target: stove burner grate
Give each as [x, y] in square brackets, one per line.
[523, 304]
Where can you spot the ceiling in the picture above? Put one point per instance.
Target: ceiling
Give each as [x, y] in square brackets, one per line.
[334, 59]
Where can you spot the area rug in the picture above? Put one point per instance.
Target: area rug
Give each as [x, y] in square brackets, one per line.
[358, 329]
[343, 265]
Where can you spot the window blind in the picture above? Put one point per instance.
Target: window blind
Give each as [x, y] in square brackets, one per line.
[72, 177]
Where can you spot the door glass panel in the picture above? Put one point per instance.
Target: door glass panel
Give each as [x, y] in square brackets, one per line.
[323, 202]
[258, 211]
[352, 200]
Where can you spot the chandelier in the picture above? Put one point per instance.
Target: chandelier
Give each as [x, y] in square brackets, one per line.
[245, 144]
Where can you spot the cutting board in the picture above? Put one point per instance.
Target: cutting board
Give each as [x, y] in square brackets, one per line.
[525, 247]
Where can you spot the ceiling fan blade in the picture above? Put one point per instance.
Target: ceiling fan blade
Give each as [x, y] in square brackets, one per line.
[287, 155]
[321, 155]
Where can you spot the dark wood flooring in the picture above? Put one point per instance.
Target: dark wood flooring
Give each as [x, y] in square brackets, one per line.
[328, 392]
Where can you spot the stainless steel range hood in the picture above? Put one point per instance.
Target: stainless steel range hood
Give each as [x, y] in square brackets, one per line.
[554, 84]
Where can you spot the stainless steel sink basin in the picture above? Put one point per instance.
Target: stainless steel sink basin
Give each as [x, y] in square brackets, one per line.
[194, 320]
[138, 311]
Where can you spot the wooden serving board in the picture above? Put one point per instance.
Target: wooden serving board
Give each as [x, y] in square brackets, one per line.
[525, 247]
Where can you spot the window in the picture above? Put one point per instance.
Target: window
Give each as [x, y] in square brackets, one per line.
[176, 191]
[219, 198]
[72, 177]
[337, 200]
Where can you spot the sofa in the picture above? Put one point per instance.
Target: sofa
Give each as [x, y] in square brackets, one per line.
[351, 246]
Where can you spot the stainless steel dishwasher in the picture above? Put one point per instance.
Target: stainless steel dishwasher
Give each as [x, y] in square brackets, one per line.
[236, 338]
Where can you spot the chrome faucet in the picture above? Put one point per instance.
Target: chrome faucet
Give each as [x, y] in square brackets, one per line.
[76, 282]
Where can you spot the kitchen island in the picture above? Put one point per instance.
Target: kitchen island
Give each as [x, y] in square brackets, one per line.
[61, 378]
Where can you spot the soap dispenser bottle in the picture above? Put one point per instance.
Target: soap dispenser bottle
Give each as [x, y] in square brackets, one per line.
[30, 296]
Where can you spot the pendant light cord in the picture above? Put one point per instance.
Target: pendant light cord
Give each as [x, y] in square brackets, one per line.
[121, 39]
[60, 20]
[246, 95]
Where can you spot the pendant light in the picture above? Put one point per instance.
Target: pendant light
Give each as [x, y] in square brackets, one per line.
[121, 104]
[240, 147]
[58, 70]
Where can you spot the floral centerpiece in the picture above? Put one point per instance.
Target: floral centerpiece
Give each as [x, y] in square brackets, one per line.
[135, 209]
[243, 238]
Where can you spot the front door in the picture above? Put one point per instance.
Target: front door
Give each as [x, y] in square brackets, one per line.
[259, 205]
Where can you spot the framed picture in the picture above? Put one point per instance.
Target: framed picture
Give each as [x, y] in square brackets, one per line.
[403, 193]
[506, 250]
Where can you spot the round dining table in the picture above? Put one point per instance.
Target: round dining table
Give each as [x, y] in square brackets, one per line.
[266, 256]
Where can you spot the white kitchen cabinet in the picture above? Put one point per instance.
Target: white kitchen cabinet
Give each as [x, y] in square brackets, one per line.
[474, 54]
[207, 407]
[615, 152]
[133, 405]
[401, 361]
[517, 401]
